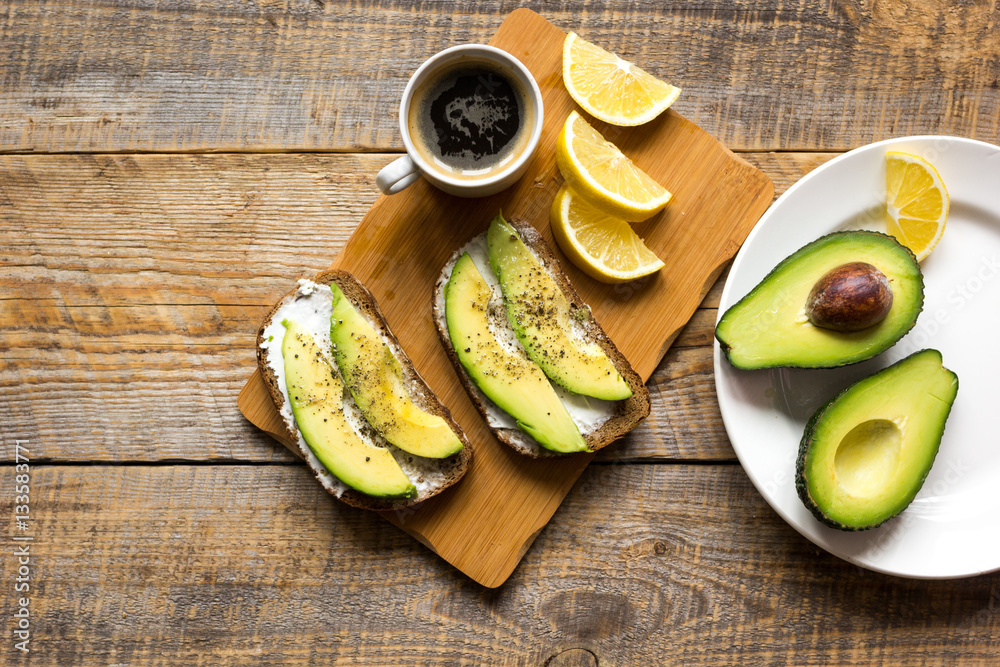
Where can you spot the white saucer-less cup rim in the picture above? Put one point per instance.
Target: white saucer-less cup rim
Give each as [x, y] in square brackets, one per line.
[408, 169]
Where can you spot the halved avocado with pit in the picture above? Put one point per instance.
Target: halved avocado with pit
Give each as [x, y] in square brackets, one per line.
[769, 327]
[865, 454]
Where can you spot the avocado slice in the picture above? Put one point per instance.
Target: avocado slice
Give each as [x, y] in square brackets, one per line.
[316, 394]
[539, 313]
[865, 454]
[769, 327]
[511, 380]
[375, 379]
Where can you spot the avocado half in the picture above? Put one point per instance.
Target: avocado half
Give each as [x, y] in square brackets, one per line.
[768, 328]
[865, 454]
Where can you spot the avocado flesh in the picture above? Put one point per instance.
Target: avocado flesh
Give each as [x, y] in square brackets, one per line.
[539, 313]
[375, 380]
[866, 453]
[513, 382]
[316, 394]
[768, 328]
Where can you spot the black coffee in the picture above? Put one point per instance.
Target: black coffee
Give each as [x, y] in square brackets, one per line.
[470, 120]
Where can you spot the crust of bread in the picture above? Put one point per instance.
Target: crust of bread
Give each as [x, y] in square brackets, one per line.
[629, 412]
[453, 467]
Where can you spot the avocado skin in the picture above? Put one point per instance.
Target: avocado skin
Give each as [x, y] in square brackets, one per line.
[801, 481]
[833, 363]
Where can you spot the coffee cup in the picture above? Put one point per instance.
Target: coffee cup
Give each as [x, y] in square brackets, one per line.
[470, 119]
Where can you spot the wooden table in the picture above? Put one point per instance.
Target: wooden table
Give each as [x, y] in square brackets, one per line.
[166, 169]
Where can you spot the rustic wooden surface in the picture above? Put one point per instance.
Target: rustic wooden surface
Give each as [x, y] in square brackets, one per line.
[644, 564]
[170, 532]
[324, 75]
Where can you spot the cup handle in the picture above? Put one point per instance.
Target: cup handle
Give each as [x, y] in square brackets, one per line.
[397, 175]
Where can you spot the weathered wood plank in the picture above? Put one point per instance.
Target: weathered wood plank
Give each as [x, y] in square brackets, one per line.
[155, 400]
[183, 229]
[131, 288]
[215, 565]
[196, 229]
[327, 74]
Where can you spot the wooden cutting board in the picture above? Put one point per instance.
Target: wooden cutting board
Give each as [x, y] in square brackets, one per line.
[484, 525]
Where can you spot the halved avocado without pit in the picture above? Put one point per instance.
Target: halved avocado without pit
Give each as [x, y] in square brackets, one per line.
[770, 326]
[865, 454]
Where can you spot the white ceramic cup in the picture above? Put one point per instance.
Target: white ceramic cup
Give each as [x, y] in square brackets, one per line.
[406, 170]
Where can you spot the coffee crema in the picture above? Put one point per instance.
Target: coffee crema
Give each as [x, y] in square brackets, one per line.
[470, 120]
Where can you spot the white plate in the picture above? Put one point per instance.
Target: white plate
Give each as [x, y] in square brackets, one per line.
[952, 528]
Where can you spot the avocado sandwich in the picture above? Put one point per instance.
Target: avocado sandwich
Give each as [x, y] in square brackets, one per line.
[361, 416]
[537, 365]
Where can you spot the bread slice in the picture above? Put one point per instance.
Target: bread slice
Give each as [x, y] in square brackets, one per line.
[625, 414]
[312, 306]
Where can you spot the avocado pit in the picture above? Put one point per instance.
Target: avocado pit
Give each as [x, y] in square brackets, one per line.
[850, 297]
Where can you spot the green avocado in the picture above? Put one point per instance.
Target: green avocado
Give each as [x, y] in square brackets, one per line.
[769, 327]
[865, 454]
[316, 394]
[375, 379]
[512, 381]
[539, 313]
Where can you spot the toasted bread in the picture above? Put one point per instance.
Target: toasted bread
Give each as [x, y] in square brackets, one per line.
[431, 476]
[626, 414]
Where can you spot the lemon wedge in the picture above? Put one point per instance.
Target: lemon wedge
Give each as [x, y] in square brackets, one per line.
[917, 202]
[612, 89]
[601, 173]
[602, 246]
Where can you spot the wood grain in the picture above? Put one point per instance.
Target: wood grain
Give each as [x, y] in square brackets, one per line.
[209, 565]
[327, 74]
[153, 271]
[130, 286]
[176, 230]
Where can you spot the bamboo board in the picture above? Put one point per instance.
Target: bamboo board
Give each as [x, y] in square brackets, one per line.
[484, 524]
